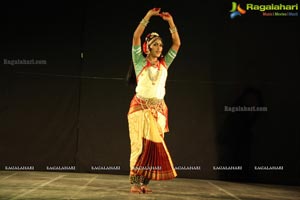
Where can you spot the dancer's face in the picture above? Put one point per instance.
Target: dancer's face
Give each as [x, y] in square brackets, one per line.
[156, 48]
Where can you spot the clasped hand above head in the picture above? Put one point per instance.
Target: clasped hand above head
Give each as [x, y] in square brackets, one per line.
[157, 12]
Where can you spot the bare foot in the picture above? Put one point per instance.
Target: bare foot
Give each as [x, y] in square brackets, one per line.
[136, 189]
[146, 189]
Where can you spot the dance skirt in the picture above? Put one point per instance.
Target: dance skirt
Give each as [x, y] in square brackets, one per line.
[148, 122]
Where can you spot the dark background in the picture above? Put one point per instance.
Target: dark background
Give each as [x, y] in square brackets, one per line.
[73, 112]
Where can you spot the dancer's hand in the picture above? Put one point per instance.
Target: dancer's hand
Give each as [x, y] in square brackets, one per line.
[166, 16]
[153, 12]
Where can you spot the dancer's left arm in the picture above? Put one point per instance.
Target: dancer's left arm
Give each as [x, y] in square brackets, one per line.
[173, 30]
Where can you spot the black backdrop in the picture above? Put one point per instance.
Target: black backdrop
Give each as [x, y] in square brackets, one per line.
[72, 111]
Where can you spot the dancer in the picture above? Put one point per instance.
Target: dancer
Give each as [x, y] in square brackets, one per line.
[148, 112]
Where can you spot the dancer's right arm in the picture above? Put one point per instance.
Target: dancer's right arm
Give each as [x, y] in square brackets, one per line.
[142, 25]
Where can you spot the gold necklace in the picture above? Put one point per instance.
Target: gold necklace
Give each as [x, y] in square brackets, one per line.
[154, 74]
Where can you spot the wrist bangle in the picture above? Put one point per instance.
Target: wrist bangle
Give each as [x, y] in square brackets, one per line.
[144, 22]
[173, 30]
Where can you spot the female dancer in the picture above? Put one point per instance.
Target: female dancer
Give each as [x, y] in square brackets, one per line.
[148, 113]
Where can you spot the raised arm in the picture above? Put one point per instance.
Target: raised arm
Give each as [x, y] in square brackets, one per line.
[142, 25]
[173, 30]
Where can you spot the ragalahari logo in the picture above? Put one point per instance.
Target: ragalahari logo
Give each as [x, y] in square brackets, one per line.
[236, 10]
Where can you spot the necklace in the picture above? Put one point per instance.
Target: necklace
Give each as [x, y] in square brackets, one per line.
[154, 73]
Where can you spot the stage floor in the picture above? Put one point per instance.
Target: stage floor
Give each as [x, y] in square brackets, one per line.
[61, 185]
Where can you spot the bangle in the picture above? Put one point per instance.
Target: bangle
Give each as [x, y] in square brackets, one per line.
[144, 22]
[173, 30]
